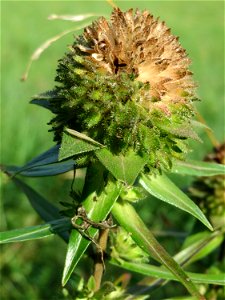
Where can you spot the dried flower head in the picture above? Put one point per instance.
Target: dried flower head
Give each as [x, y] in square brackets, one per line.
[126, 84]
[140, 45]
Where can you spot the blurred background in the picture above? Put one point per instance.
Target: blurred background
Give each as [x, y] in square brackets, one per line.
[33, 270]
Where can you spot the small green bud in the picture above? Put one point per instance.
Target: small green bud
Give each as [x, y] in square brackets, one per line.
[124, 248]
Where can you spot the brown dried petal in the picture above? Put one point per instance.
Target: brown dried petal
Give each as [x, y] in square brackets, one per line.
[135, 42]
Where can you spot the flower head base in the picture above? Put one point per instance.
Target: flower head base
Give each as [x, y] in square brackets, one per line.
[126, 84]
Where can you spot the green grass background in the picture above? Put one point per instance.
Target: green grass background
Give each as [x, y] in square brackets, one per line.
[32, 270]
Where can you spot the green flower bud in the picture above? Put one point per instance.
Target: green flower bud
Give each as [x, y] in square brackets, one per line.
[124, 248]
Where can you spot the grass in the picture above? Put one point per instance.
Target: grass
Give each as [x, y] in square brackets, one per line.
[35, 271]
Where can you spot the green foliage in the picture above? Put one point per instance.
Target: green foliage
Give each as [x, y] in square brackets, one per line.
[164, 189]
[98, 207]
[197, 168]
[35, 232]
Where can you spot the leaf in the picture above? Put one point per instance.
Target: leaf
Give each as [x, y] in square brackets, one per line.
[127, 217]
[124, 168]
[198, 246]
[48, 157]
[72, 146]
[197, 168]
[97, 208]
[46, 210]
[45, 170]
[158, 272]
[164, 189]
[45, 164]
[35, 232]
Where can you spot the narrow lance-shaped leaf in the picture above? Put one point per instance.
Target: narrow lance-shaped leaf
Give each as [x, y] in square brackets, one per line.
[131, 222]
[35, 232]
[164, 189]
[48, 157]
[97, 208]
[45, 164]
[198, 246]
[44, 170]
[197, 168]
[158, 272]
[204, 243]
[46, 210]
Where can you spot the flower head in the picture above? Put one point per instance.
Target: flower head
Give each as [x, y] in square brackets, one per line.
[138, 44]
[126, 84]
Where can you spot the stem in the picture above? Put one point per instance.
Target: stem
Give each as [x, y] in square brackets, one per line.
[127, 217]
[111, 2]
[99, 266]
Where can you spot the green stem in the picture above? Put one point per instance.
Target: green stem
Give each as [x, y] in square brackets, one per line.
[127, 217]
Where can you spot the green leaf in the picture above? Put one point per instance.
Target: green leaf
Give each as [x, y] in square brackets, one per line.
[198, 246]
[41, 171]
[46, 210]
[197, 168]
[97, 207]
[73, 145]
[48, 157]
[127, 217]
[45, 164]
[44, 170]
[124, 168]
[164, 189]
[35, 232]
[158, 272]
